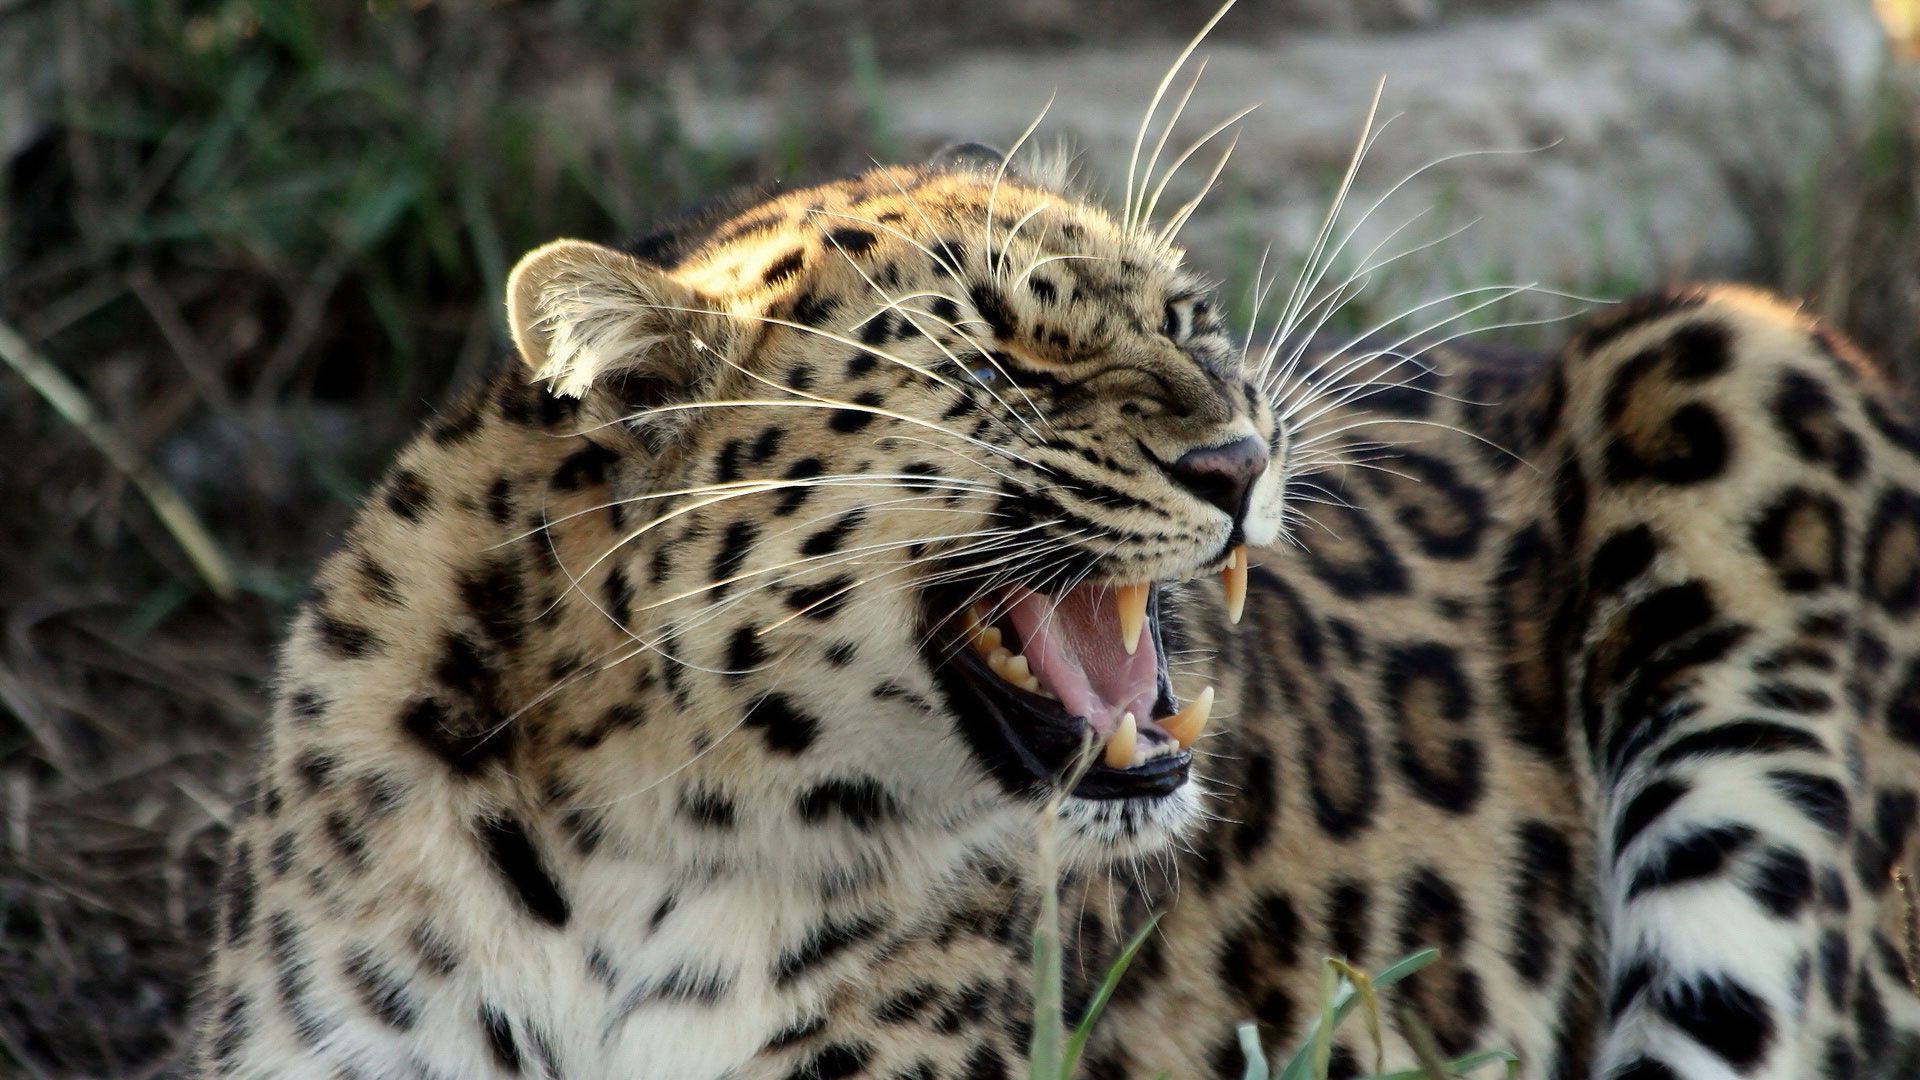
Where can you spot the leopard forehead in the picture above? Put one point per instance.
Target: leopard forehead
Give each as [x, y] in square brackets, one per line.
[936, 264]
[981, 255]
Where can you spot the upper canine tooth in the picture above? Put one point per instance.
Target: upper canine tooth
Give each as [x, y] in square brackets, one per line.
[1235, 578]
[987, 640]
[1119, 752]
[1186, 725]
[1132, 603]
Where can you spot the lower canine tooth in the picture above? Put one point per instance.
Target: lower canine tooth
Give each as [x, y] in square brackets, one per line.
[1235, 579]
[1032, 686]
[1119, 753]
[1017, 669]
[1186, 725]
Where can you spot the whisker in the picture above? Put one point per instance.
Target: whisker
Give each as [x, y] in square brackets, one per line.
[1335, 298]
[1166, 129]
[1297, 295]
[1506, 292]
[1006, 242]
[983, 539]
[1444, 159]
[816, 401]
[1256, 301]
[986, 245]
[1192, 148]
[714, 610]
[1476, 437]
[715, 499]
[768, 484]
[939, 258]
[1038, 263]
[1179, 221]
[1153, 107]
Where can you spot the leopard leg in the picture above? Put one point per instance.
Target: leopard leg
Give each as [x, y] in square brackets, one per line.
[1750, 543]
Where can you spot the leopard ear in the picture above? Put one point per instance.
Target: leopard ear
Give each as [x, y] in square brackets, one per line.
[1049, 168]
[584, 315]
[978, 157]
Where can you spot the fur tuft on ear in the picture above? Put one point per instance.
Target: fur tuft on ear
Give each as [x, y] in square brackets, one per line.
[580, 312]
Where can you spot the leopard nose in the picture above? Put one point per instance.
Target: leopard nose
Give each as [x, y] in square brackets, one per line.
[1223, 476]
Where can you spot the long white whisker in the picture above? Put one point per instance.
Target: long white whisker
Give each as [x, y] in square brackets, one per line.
[1006, 242]
[1316, 389]
[814, 564]
[1167, 235]
[944, 483]
[1313, 386]
[1297, 295]
[670, 515]
[986, 246]
[939, 258]
[1038, 263]
[1166, 130]
[1146, 214]
[1153, 107]
[1334, 298]
[1395, 188]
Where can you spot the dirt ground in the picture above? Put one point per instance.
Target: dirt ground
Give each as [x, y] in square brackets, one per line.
[263, 241]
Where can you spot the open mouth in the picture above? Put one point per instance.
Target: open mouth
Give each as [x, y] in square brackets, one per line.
[1035, 676]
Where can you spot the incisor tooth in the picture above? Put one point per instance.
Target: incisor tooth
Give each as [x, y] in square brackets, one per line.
[1235, 577]
[1120, 744]
[1186, 725]
[1132, 603]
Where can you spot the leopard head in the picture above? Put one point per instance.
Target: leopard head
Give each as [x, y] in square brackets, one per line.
[920, 465]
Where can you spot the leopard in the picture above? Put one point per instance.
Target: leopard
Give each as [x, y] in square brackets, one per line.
[843, 578]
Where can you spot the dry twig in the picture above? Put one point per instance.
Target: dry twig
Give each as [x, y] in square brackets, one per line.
[74, 406]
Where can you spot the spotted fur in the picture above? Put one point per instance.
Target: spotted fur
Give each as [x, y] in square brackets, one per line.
[608, 744]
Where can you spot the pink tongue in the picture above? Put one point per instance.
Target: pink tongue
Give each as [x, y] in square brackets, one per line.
[1073, 646]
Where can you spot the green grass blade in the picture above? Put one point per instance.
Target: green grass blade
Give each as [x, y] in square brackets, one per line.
[484, 233]
[871, 88]
[1369, 1007]
[1320, 1043]
[1114, 973]
[1044, 1055]
[1301, 1066]
[1256, 1055]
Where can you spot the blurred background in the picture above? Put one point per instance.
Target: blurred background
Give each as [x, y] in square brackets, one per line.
[245, 245]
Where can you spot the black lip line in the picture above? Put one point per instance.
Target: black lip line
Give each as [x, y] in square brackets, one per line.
[1029, 759]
